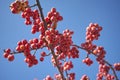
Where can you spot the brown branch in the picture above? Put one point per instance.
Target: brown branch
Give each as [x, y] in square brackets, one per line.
[57, 64]
[103, 60]
[41, 13]
[52, 51]
[111, 69]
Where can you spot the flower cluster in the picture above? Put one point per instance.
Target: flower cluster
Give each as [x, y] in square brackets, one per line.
[87, 61]
[52, 18]
[88, 46]
[25, 47]
[117, 66]
[71, 76]
[93, 32]
[100, 52]
[7, 54]
[18, 6]
[30, 15]
[67, 65]
[64, 49]
[104, 73]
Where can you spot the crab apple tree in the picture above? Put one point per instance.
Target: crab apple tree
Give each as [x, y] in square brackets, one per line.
[61, 47]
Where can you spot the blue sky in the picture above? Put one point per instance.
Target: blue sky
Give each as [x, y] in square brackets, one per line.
[77, 15]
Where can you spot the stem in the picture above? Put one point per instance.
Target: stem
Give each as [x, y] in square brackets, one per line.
[17, 52]
[48, 54]
[66, 74]
[52, 51]
[41, 12]
[57, 64]
[35, 51]
[111, 69]
[104, 60]
[33, 5]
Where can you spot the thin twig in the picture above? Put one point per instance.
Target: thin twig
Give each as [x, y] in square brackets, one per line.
[33, 5]
[48, 54]
[18, 52]
[66, 72]
[35, 51]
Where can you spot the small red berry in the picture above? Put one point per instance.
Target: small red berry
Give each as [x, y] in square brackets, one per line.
[24, 42]
[33, 31]
[35, 62]
[5, 55]
[35, 40]
[43, 54]
[30, 64]
[41, 59]
[19, 43]
[60, 18]
[8, 50]
[53, 10]
[22, 47]
[117, 66]
[53, 18]
[10, 57]
[18, 48]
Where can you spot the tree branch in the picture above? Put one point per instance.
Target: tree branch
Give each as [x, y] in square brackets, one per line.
[57, 65]
[103, 60]
[52, 51]
[41, 14]
[111, 69]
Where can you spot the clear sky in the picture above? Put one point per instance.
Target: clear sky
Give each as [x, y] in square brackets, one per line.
[77, 15]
